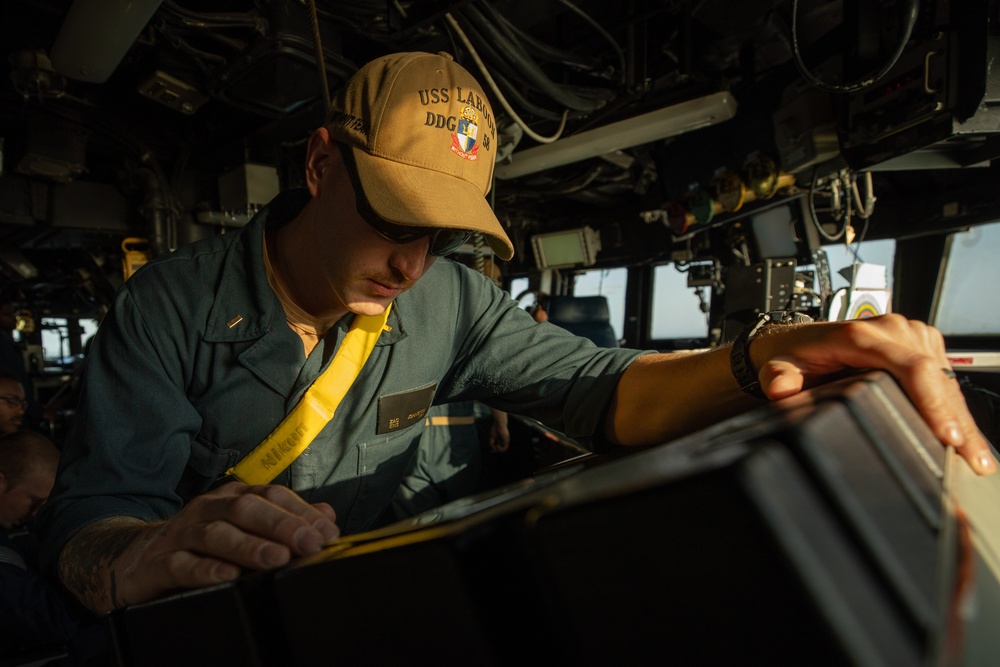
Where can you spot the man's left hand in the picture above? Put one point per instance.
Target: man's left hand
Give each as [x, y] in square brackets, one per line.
[791, 358]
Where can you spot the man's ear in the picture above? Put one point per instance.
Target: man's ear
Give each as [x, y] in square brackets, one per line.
[319, 154]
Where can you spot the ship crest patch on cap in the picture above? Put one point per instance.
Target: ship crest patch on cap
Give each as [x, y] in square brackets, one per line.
[463, 140]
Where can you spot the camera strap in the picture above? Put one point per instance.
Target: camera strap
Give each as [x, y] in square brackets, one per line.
[316, 407]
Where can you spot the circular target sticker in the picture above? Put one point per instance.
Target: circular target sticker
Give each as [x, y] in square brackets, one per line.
[865, 308]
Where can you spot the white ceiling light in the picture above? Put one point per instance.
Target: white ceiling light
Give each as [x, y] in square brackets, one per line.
[660, 124]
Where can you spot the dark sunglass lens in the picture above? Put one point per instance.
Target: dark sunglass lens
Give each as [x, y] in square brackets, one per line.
[443, 241]
[447, 241]
[399, 233]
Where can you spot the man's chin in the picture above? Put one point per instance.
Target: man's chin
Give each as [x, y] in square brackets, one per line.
[369, 308]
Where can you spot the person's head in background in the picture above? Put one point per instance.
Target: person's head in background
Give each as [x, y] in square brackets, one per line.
[8, 315]
[484, 265]
[11, 404]
[540, 311]
[492, 270]
[28, 462]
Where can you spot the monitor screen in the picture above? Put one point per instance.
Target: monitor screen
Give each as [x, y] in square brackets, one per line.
[572, 247]
[774, 233]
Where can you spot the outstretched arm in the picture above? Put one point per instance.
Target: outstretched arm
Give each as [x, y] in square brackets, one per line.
[121, 561]
[789, 358]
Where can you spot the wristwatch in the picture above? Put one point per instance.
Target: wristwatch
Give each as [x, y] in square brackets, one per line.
[739, 354]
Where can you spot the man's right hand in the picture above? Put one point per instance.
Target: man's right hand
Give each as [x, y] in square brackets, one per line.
[122, 561]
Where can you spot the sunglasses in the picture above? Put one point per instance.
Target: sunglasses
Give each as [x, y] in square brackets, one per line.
[14, 402]
[444, 241]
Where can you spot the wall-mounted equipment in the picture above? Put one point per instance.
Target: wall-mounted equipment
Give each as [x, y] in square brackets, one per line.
[570, 247]
[172, 92]
[937, 107]
[96, 35]
[136, 254]
[248, 187]
[774, 233]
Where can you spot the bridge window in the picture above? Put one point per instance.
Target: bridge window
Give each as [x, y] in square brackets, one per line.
[866, 296]
[518, 286]
[677, 308]
[610, 283]
[841, 256]
[971, 271]
[63, 340]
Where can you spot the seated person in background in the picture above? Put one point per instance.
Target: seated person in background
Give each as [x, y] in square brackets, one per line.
[28, 463]
[31, 613]
[12, 403]
[12, 365]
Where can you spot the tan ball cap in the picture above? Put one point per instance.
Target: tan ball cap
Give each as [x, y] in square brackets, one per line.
[424, 140]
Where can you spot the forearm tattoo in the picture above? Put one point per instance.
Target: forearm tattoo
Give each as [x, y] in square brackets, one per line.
[87, 562]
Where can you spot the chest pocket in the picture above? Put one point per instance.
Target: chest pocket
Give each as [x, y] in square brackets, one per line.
[381, 466]
[399, 411]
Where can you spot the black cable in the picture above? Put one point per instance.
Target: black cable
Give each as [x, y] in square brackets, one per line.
[515, 93]
[320, 61]
[538, 48]
[498, 63]
[577, 182]
[603, 95]
[500, 97]
[579, 186]
[183, 46]
[219, 19]
[910, 20]
[529, 67]
[167, 22]
[603, 33]
[815, 219]
[514, 85]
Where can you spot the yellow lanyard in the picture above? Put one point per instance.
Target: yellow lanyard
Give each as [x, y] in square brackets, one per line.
[316, 407]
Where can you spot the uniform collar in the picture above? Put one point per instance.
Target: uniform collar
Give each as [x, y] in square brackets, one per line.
[245, 307]
[396, 331]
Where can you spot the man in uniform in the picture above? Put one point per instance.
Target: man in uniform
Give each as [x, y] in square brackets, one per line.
[207, 350]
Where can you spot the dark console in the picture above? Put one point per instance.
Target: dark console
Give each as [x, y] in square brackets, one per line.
[827, 529]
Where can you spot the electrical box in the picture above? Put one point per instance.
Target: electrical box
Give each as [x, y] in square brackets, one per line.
[758, 288]
[248, 187]
[135, 255]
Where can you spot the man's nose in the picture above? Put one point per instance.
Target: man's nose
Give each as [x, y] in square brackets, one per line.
[411, 259]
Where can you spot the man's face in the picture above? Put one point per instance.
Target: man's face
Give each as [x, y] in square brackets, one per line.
[11, 405]
[8, 320]
[363, 270]
[20, 502]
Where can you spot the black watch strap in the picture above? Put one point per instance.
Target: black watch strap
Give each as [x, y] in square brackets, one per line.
[739, 354]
